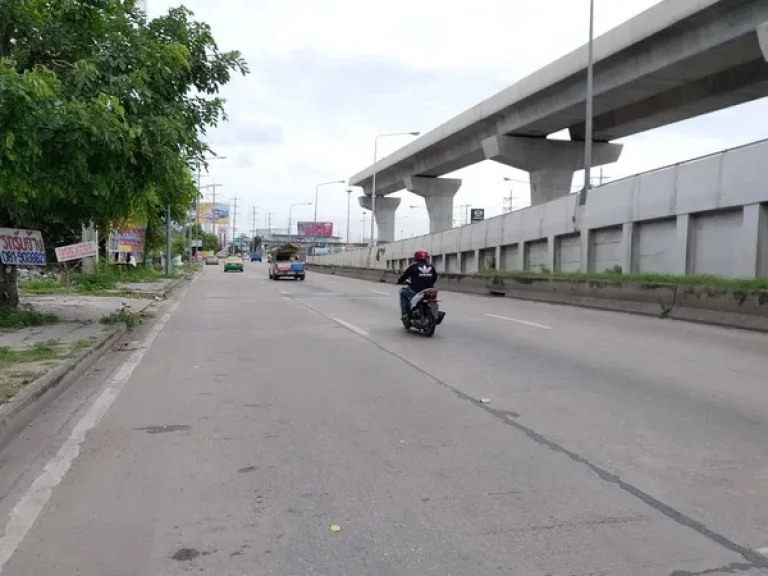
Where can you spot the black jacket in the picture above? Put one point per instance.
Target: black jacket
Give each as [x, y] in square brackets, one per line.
[422, 275]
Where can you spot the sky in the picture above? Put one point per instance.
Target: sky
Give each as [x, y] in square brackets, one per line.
[328, 75]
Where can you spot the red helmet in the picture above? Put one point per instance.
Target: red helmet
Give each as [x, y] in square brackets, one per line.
[421, 255]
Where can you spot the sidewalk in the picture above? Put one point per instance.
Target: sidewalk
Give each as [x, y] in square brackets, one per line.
[80, 324]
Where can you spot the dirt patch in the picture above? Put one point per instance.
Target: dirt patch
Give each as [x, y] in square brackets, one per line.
[185, 555]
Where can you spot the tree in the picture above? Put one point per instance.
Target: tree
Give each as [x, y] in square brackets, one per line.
[210, 240]
[102, 114]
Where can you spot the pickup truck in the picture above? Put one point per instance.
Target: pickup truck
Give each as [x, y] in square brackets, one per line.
[286, 262]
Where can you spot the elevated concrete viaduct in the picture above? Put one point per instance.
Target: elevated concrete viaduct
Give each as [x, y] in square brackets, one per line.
[677, 60]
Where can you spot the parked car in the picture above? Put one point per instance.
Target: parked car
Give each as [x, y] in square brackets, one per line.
[256, 257]
[233, 263]
[211, 260]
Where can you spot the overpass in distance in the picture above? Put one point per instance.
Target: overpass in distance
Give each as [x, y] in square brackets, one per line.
[677, 60]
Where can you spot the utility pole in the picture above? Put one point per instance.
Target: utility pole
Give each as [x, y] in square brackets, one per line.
[269, 223]
[213, 211]
[168, 240]
[465, 219]
[234, 224]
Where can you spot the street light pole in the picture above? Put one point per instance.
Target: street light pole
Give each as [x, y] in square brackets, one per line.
[349, 205]
[589, 112]
[373, 177]
[290, 215]
[317, 190]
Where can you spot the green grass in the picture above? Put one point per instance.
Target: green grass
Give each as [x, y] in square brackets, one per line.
[40, 352]
[12, 381]
[24, 317]
[122, 316]
[737, 284]
[104, 281]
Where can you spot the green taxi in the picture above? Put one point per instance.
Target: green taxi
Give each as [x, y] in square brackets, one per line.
[233, 263]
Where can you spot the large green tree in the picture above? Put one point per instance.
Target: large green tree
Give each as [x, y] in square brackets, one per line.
[102, 114]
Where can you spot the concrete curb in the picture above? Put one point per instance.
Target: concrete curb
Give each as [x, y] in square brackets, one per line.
[701, 304]
[18, 406]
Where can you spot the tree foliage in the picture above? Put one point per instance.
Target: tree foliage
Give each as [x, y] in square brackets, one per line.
[103, 113]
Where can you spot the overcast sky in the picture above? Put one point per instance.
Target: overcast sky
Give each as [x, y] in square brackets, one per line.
[328, 75]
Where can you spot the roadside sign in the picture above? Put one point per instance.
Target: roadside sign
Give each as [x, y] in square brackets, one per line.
[77, 251]
[477, 215]
[19, 247]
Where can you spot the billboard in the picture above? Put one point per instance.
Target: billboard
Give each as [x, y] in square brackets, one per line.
[477, 215]
[315, 229]
[209, 214]
[77, 251]
[127, 238]
[21, 247]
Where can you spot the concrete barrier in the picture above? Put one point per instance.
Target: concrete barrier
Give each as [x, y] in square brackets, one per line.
[704, 304]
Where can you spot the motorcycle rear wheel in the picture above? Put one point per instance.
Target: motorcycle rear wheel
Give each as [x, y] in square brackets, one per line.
[429, 324]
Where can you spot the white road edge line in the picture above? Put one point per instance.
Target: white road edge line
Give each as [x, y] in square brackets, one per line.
[382, 293]
[351, 327]
[521, 321]
[28, 508]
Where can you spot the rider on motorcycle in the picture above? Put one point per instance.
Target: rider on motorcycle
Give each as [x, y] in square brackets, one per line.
[420, 275]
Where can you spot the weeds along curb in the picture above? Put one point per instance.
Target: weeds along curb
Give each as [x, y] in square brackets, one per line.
[23, 404]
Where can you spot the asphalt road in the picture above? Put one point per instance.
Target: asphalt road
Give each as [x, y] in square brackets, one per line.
[256, 415]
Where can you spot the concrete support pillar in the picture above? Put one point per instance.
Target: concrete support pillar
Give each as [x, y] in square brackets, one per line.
[627, 247]
[585, 263]
[762, 38]
[682, 248]
[497, 257]
[438, 194]
[479, 265]
[385, 216]
[754, 242]
[552, 264]
[459, 263]
[442, 263]
[551, 163]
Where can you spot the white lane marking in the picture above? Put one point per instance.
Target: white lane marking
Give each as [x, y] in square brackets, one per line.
[763, 551]
[521, 321]
[26, 510]
[352, 327]
[382, 293]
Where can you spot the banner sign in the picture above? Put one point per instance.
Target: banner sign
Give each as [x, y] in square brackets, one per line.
[315, 229]
[128, 238]
[213, 214]
[21, 247]
[77, 251]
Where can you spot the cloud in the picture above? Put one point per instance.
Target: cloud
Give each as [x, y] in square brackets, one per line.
[328, 75]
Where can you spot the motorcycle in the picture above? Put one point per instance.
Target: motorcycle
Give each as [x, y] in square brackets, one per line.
[424, 313]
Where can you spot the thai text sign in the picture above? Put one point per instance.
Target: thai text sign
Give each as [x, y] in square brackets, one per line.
[21, 247]
[76, 251]
[127, 237]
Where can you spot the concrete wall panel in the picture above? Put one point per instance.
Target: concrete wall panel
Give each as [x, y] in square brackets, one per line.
[468, 262]
[568, 253]
[652, 246]
[452, 263]
[606, 248]
[537, 256]
[510, 257]
[715, 249]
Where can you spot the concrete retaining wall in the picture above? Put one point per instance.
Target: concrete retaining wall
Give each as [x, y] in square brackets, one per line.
[704, 216]
[709, 305]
